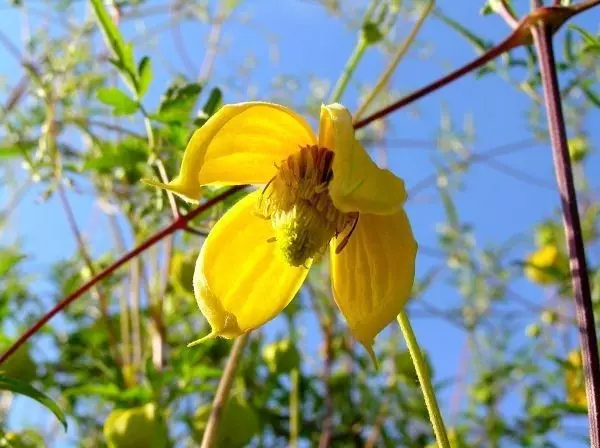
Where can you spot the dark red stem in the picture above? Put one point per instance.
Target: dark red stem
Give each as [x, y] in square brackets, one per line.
[579, 273]
[488, 56]
[178, 224]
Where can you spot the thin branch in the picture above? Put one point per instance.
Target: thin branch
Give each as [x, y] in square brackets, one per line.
[579, 271]
[503, 10]
[511, 42]
[212, 47]
[472, 158]
[176, 225]
[521, 35]
[209, 438]
[327, 430]
[400, 53]
[96, 293]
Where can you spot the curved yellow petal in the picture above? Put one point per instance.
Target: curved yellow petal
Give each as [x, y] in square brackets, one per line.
[240, 144]
[372, 276]
[358, 183]
[241, 280]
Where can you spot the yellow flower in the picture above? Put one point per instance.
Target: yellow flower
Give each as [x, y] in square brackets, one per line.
[546, 265]
[574, 380]
[320, 192]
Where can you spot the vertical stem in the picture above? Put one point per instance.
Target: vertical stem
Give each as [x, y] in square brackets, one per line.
[134, 306]
[325, 439]
[209, 438]
[294, 408]
[96, 293]
[425, 382]
[389, 71]
[579, 273]
[342, 82]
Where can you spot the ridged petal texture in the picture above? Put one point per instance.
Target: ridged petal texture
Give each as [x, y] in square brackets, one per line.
[240, 144]
[241, 280]
[373, 276]
[358, 183]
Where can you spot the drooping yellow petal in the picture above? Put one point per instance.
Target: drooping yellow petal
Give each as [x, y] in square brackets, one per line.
[372, 276]
[240, 144]
[241, 280]
[358, 183]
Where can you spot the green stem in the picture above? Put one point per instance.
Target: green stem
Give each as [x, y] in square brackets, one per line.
[294, 408]
[209, 439]
[389, 71]
[349, 69]
[430, 401]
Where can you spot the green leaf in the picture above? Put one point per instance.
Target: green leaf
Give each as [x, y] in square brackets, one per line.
[19, 387]
[592, 43]
[479, 43]
[145, 75]
[177, 103]
[122, 51]
[7, 153]
[568, 52]
[492, 6]
[214, 101]
[118, 100]
[9, 259]
[592, 96]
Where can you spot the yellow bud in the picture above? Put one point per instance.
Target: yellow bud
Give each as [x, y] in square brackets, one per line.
[546, 265]
[533, 331]
[578, 148]
[574, 381]
[549, 317]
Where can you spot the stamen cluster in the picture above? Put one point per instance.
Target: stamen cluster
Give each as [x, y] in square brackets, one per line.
[298, 204]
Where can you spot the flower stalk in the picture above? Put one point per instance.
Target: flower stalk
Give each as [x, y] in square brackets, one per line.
[209, 438]
[433, 409]
[572, 226]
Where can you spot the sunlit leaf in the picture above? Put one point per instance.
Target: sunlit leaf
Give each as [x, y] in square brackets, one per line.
[145, 75]
[22, 388]
[120, 102]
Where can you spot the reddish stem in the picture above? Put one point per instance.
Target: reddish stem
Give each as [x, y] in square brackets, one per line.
[491, 54]
[579, 273]
[178, 224]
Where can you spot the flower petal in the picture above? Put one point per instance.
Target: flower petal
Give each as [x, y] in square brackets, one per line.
[358, 183]
[372, 276]
[241, 280]
[240, 144]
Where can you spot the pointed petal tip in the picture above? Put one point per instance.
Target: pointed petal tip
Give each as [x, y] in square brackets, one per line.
[154, 183]
[369, 348]
[186, 192]
[213, 334]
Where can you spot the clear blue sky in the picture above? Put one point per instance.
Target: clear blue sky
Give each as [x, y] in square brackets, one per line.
[311, 43]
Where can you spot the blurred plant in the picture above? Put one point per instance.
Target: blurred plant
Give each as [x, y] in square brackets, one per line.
[82, 122]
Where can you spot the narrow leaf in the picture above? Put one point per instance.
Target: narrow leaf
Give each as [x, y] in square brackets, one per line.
[145, 75]
[122, 51]
[19, 387]
[477, 41]
[592, 96]
[177, 103]
[121, 103]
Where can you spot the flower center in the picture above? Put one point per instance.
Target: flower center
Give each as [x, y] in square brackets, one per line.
[297, 202]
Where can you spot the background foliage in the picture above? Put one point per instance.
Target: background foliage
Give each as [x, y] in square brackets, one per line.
[81, 123]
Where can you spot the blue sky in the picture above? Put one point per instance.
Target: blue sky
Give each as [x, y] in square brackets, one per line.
[312, 44]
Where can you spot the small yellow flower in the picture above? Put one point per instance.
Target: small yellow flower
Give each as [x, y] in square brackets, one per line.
[546, 265]
[574, 380]
[319, 192]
